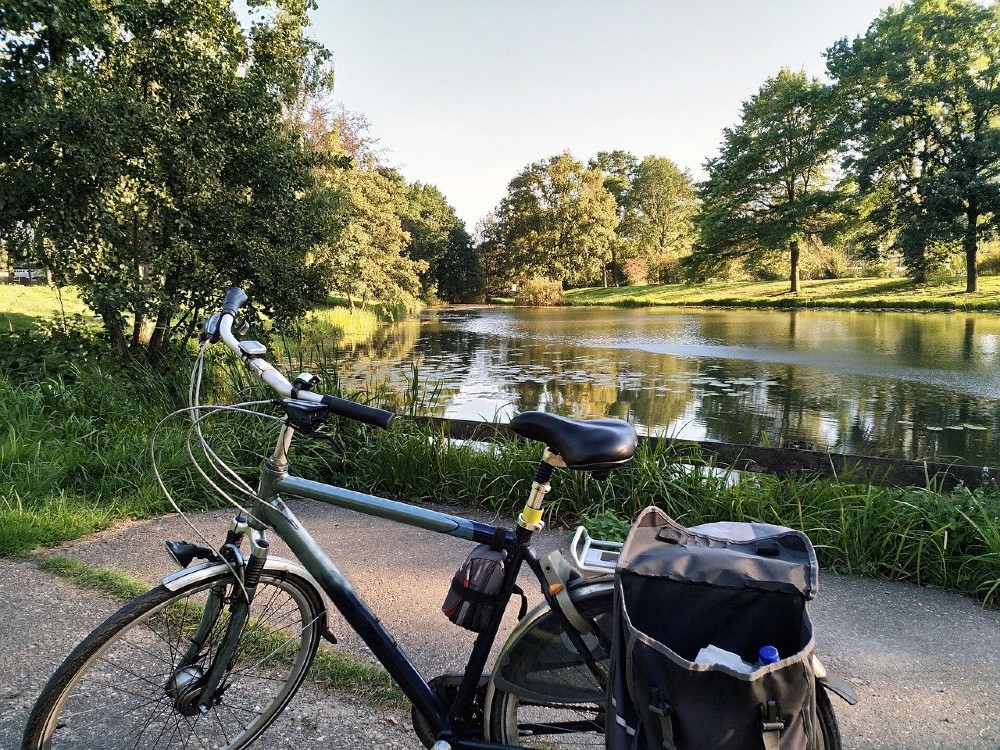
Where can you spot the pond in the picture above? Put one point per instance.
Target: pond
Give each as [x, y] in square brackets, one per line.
[914, 385]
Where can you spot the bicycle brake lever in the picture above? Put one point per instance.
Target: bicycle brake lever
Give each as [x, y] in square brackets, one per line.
[210, 329]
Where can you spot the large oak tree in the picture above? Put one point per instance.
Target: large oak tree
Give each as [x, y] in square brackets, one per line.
[767, 189]
[557, 221]
[920, 97]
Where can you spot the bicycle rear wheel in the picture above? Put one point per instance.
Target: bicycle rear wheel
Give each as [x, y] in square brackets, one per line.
[121, 687]
[579, 724]
[572, 715]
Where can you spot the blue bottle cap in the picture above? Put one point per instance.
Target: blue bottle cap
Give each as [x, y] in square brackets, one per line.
[768, 655]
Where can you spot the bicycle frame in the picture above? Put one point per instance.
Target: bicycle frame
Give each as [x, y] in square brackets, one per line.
[270, 511]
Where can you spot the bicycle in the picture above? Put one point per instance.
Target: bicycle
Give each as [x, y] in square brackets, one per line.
[228, 640]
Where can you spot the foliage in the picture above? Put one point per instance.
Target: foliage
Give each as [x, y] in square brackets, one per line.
[492, 258]
[364, 249]
[920, 101]
[557, 221]
[655, 206]
[660, 217]
[147, 153]
[766, 189]
[459, 274]
[436, 237]
[618, 169]
[539, 292]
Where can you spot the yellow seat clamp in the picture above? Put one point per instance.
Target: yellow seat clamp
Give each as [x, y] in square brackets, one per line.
[531, 515]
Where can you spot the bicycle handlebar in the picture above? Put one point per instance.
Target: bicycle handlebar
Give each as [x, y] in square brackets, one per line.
[265, 372]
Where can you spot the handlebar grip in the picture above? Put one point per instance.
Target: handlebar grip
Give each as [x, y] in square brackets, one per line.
[359, 412]
[235, 299]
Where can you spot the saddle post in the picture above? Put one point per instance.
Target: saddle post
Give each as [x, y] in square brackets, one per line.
[530, 518]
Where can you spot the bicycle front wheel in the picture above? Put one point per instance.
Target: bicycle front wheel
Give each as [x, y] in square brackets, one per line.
[124, 686]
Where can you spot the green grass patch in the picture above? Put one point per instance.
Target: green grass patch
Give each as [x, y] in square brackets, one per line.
[948, 540]
[112, 583]
[869, 294]
[22, 306]
[333, 670]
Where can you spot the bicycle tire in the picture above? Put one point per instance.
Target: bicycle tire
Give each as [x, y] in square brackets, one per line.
[829, 728]
[113, 687]
[516, 722]
[520, 722]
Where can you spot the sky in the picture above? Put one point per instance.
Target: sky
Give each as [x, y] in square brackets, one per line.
[464, 94]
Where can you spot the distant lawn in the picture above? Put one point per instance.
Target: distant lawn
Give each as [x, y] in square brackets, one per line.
[21, 307]
[940, 294]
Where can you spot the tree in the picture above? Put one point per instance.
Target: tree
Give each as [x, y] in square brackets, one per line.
[364, 250]
[492, 258]
[459, 275]
[661, 205]
[149, 148]
[921, 96]
[766, 190]
[558, 221]
[618, 168]
[431, 223]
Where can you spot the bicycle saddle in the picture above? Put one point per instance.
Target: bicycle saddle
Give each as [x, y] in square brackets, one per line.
[585, 445]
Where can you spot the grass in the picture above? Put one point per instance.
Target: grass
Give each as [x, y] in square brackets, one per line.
[22, 306]
[333, 670]
[112, 583]
[870, 293]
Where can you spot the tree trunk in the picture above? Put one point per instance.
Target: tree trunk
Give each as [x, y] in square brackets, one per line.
[793, 276]
[116, 335]
[159, 337]
[970, 244]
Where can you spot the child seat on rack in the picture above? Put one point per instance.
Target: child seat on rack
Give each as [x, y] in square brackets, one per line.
[732, 586]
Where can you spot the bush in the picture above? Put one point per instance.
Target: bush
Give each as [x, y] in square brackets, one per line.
[540, 292]
[636, 271]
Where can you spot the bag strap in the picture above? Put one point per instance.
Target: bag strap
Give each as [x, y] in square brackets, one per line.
[771, 724]
[478, 597]
[659, 706]
[498, 538]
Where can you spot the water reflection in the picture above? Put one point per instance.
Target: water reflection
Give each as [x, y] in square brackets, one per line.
[902, 384]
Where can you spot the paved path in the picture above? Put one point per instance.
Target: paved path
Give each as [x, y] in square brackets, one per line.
[926, 664]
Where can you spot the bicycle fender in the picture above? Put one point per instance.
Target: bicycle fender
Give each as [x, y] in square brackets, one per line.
[559, 573]
[834, 682]
[521, 645]
[204, 571]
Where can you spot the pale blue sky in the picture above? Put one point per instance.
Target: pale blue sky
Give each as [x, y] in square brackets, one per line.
[463, 94]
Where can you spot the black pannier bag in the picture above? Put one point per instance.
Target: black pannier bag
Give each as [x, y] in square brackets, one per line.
[730, 586]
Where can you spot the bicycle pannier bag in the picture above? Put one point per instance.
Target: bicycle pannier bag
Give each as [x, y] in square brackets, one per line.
[476, 588]
[693, 607]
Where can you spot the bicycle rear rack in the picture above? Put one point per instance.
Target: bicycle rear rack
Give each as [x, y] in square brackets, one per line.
[593, 555]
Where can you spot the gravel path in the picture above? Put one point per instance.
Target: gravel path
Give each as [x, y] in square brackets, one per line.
[926, 664]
